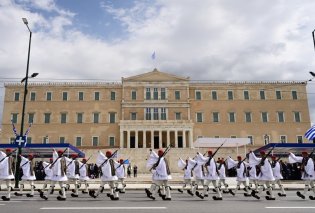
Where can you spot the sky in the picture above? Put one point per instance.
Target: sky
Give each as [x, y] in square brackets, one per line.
[104, 40]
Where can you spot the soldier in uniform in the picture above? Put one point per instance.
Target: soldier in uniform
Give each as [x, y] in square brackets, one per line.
[84, 175]
[27, 165]
[276, 169]
[108, 176]
[73, 173]
[6, 174]
[58, 175]
[188, 174]
[222, 176]
[198, 171]
[307, 169]
[121, 174]
[48, 174]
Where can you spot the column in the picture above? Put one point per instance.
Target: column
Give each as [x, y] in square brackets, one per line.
[152, 139]
[176, 139]
[136, 139]
[168, 137]
[121, 142]
[160, 138]
[128, 139]
[190, 139]
[144, 139]
[184, 138]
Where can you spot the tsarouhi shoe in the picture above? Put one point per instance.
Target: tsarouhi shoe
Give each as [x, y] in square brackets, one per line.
[147, 191]
[216, 198]
[61, 198]
[281, 195]
[312, 197]
[270, 198]
[84, 192]
[4, 198]
[300, 195]
[180, 190]
[254, 195]
[74, 195]
[190, 192]
[92, 193]
[231, 192]
[18, 194]
[199, 195]
[29, 195]
[151, 197]
[113, 198]
[247, 195]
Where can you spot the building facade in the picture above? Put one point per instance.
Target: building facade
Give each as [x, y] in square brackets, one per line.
[156, 109]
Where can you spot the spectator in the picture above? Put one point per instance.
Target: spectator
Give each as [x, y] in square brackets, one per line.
[135, 171]
[129, 171]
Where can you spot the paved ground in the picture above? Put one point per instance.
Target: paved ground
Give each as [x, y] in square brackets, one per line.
[136, 201]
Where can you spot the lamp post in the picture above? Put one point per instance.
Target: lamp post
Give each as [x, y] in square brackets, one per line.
[17, 167]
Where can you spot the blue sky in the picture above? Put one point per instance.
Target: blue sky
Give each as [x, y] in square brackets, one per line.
[205, 40]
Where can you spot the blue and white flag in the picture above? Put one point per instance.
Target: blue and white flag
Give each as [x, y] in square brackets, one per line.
[310, 134]
[153, 56]
[14, 129]
[28, 130]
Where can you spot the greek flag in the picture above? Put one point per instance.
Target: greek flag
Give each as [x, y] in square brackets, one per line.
[310, 134]
[153, 55]
[14, 129]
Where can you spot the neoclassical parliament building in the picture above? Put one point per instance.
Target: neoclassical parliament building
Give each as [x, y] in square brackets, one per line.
[155, 109]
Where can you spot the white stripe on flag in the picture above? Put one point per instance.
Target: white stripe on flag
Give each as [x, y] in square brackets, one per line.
[310, 134]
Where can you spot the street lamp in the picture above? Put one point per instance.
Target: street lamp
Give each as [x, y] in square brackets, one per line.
[17, 168]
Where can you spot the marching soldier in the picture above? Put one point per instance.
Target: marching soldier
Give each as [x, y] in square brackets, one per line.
[59, 175]
[73, 173]
[84, 175]
[199, 174]
[276, 169]
[27, 165]
[307, 169]
[121, 174]
[6, 174]
[241, 174]
[265, 176]
[222, 176]
[188, 174]
[108, 176]
[48, 173]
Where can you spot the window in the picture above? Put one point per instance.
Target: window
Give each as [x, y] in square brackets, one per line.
[62, 139]
[133, 116]
[94, 141]
[33, 96]
[232, 117]
[45, 140]
[111, 141]
[262, 94]
[63, 118]
[163, 94]
[29, 140]
[31, 118]
[248, 117]
[148, 94]
[178, 116]
[297, 117]
[155, 94]
[299, 139]
[177, 95]
[214, 95]
[199, 117]
[278, 95]
[251, 139]
[215, 117]
[148, 114]
[96, 96]
[266, 139]
[80, 118]
[230, 95]
[198, 95]
[283, 138]
[112, 117]
[280, 117]
[81, 96]
[134, 95]
[48, 96]
[155, 114]
[246, 95]
[112, 95]
[163, 113]
[294, 95]
[14, 117]
[78, 141]
[46, 118]
[96, 117]
[264, 117]
[16, 96]
[64, 96]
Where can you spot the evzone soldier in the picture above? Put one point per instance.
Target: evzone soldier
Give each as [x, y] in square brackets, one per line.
[252, 176]
[222, 176]
[73, 173]
[276, 169]
[188, 174]
[121, 174]
[212, 176]
[265, 176]
[84, 175]
[108, 175]
[59, 175]
[6, 174]
[48, 174]
[198, 171]
[160, 174]
[27, 165]
[307, 169]
[241, 174]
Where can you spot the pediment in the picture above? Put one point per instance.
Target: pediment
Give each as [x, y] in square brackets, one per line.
[155, 76]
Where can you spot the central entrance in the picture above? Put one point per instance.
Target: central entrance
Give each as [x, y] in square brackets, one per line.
[156, 142]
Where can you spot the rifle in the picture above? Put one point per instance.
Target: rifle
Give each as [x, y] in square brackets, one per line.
[264, 158]
[122, 163]
[192, 169]
[8, 155]
[105, 161]
[208, 162]
[86, 162]
[53, 163]
[158, 161]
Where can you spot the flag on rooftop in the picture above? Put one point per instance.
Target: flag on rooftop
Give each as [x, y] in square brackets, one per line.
[310, 134]
[14, 129]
